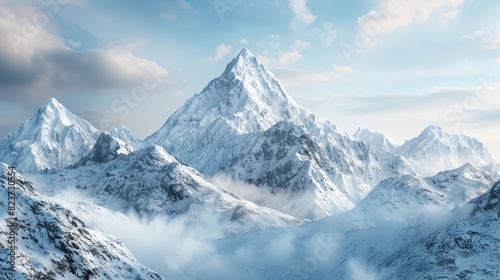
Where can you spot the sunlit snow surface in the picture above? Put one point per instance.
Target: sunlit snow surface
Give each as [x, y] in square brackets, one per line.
[242, 183]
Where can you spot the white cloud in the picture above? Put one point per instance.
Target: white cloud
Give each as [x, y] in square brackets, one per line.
[361, 270]
[498, 60]
[221, 51]
[343, 69]
[290, 57]
[38, 63]
[481, 33]
[302, 44]
[274, 44]
[326, 33]
[491, 42]
[302, 13]
[451, 14]
[389, 15]
[274, 37]
[273, 40]
[265, 58]
[244, 42]
[291, 78]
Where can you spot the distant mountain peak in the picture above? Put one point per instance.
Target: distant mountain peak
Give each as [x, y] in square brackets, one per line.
[52, 110]
[52, 138]
[376, 140]
[244, 60]
[123, 133]
[435, 149]
[434, 131]
[246, 96]
[106, 149]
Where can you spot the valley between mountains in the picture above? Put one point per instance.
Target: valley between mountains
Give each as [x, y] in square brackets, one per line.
[243, 183]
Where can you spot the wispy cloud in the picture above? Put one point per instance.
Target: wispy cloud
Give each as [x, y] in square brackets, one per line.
[326, 33]
[302, 13]
[39, 64]
[343, 69]
[290, 57]
[390, 15]
[221, 51]
[490, 42]
[302, 44]
[291, 78]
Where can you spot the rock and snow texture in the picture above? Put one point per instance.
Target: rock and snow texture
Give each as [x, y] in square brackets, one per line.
[402, 197]
[150, 183]
[243, 124]
[384, 243]
[376, 140]
[52, 138]
[244, 154]
[123, 133]
[106, 149]
[467, 249]
[435, 150]
[52, 243]
[493, 169]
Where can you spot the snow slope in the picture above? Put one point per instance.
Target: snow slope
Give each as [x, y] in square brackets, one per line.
[382, 243]
[150, 183]
[435, 150]
[54, 244]
[467, 249]
[493, 169]
[124, 134]
[237, 126]
[52, 138]
[376, 140]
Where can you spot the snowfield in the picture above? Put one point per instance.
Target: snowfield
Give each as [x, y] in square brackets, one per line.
[243, 183]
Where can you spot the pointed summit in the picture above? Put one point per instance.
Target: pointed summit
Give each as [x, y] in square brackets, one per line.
[435, 150]
[243, 61]
[52, 138]
[51, 111]
[106, 149]
[433, 131]
[376, 140]
[123, 133]
[247, 97]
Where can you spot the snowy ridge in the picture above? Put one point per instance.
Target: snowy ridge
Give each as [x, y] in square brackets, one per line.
[384, 243]
[106, 149]
[464, 250]
[124, 134]
[52, 138]
[376, 140]
[408, 194]
[225, 128]
[150, 183]
[435, 150]
[54, 244]
[493, 169]
[242, 157]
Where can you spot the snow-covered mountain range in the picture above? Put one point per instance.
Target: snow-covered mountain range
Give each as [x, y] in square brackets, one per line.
[273, 176]
[52, 243]
[52, 138]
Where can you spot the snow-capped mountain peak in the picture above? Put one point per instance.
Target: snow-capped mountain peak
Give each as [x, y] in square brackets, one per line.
[435, 150]
[52, 138]
[106, 148]
[434, 132]
[376, 140]
[123, 133]
[246, 98]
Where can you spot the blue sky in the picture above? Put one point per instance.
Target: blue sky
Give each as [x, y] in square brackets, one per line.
[392, 66]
